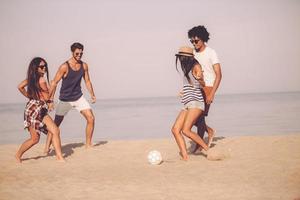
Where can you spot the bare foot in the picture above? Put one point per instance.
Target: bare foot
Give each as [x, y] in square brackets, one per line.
[47, 151]
[184, 158]
[211, 135]
[18, 158]
[62, 160]
[197, 147]
[88, 146]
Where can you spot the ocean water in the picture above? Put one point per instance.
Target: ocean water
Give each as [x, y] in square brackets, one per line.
[133, 119]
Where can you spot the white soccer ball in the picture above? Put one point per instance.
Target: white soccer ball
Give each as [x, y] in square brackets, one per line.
[154, 157]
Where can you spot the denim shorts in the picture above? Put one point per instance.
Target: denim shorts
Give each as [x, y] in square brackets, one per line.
[194, 104]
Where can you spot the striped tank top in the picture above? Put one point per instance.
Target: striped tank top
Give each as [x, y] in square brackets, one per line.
[191, 90]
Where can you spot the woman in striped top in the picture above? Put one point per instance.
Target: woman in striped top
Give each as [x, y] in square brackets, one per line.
[192, 100]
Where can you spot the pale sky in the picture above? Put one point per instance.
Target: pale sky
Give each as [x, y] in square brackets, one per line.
[130, 45]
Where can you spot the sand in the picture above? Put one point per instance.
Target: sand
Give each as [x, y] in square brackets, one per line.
[254, 167]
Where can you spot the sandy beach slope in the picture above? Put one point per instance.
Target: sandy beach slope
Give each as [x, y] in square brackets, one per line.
[255, 167]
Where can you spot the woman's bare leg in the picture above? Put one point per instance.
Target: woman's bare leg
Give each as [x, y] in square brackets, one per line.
[58, 119]
[54, 130]
[34, 139]
[211, 134]
[190, 119]
[48, 143]
[176, 130]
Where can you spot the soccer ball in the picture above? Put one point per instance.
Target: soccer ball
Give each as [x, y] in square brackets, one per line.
[154, 157]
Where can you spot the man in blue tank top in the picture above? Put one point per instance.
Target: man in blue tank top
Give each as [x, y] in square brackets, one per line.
[71, 72]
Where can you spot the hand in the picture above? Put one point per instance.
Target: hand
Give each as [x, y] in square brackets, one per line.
[210, 98]
[50, 106]
[180, 94]
[93, 99]
[202, 83]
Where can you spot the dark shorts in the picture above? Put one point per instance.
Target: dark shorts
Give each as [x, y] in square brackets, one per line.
[206, 105]
[206, 109]
[200, 123]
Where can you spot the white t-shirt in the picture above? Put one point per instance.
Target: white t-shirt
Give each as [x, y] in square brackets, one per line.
[207, 59]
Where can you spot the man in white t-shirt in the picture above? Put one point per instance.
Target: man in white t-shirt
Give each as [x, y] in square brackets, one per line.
[212, 74]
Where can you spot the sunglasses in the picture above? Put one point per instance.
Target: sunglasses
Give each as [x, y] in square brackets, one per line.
[42, 66]
[79, 54]
[194, 41]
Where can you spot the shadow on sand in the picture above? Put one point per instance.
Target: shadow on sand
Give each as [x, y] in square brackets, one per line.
[34, 158]
[67, 150]
[192, 147]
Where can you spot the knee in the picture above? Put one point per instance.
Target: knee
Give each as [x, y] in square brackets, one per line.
[175, 130]
[90, 119]
[186, 131]
[56, 131]
[35, 139]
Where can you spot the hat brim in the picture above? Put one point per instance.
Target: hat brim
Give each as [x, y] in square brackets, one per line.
[184, 54]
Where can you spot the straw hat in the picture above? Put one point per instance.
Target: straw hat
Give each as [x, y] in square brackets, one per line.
[185, 51]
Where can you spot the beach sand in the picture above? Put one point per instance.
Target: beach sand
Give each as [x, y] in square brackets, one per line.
[254, 167]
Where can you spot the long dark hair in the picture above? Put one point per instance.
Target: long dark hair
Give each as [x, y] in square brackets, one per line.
[187, 63]
[33, 77]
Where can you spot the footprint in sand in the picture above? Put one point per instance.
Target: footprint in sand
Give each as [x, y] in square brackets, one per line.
[216, 154]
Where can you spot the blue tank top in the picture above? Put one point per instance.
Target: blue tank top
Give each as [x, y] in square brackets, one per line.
[70, 88]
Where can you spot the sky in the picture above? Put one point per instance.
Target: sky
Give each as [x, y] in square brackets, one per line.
[130, 45]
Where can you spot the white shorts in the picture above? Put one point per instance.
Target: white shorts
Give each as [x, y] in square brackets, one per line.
[64, 107]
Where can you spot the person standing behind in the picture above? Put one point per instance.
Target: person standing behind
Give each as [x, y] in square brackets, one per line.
[71, 73]
[212, 74]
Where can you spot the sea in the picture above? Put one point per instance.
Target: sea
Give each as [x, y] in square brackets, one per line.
[152, 118]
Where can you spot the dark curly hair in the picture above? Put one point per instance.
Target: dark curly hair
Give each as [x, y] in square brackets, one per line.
[200, 32]
[75, 46]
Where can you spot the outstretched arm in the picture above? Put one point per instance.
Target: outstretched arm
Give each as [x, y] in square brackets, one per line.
[22, 86]
[88, 82]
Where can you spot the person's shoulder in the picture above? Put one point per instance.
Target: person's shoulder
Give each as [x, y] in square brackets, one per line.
[210, 49]
[210, 52]
[63, 66]
[85, 65]
[197, 66]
